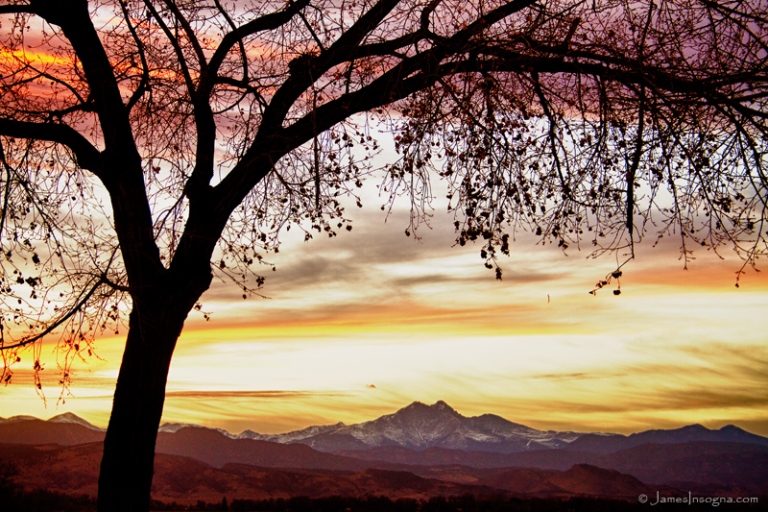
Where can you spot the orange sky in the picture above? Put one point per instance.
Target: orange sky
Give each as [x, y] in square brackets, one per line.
[363, 324]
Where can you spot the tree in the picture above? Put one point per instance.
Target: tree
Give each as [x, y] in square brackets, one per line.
[148, 146]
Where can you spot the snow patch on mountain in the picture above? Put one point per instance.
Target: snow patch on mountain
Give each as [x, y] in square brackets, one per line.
[419, 426]
[175, 427]
[73, 419]
[291, 437]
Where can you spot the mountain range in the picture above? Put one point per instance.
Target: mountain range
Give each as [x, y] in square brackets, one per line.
[416, 427]
[443, 451]
[419, 427]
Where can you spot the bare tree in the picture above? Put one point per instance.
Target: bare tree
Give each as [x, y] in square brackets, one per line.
[148, 146]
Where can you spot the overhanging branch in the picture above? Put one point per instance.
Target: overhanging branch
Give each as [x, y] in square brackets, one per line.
[88, 157]
[85, 296]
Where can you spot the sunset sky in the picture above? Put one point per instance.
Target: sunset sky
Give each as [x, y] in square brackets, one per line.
[363, 324]
[360, 325]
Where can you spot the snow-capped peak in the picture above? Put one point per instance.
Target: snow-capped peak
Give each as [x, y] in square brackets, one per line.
[175, 427]
[74, 419]
[419, 426]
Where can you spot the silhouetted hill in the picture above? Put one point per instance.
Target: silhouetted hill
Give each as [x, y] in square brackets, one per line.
[73, 470]
[699, 465]
[28, 430]
[579, 480]
[726, 469]
[609, 443]
[728, 465]
[543, 459]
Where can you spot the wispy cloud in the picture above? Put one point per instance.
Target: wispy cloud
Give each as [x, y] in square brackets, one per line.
[367, 322]
[270, 394]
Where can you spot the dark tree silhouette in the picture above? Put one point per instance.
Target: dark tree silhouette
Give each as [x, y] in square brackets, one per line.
[148, 146]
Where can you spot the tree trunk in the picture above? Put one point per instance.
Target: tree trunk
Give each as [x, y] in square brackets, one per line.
[127, 466]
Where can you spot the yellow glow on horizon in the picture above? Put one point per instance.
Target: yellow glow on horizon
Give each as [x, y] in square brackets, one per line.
[347, 337]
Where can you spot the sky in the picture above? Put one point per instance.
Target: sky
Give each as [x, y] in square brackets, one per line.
[363, 324]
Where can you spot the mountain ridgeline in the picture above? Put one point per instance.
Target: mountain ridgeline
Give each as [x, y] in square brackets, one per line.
[432, 448]
[417, 427]
[420, 426]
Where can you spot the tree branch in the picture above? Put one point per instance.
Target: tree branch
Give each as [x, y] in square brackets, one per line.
[143, 84]
[189, 31]
[84, 297]
[177, 49]
[17, 9]
[88, 157]
[311, 68]
[266, 22]
[74, 19]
